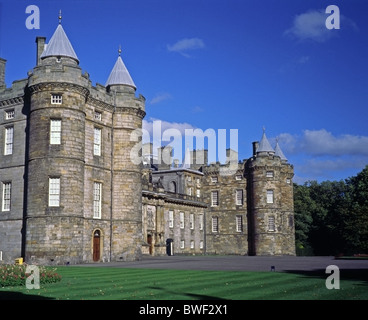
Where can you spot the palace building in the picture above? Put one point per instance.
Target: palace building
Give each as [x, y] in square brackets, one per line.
[70, 192]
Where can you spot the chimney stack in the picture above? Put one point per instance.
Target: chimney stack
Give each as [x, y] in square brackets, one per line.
[2, 72]
[255, 147]
[40, 47]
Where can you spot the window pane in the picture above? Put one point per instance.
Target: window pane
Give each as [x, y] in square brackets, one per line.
[182, 220]
[214, 224]
[97, 142]
[55, 132]
[239, 197]
[269, 196]
[214, 198]
[9, 133]
[6, 196]
[54, 192]
[171, 219]
[239, 223]
[9, 114]
[98, 115]
[271, 223]
[56, 99]
[97, 200]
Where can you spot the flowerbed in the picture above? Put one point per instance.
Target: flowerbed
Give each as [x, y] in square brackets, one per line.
[15, 275]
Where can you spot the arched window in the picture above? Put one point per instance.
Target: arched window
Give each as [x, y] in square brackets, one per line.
[172, 187]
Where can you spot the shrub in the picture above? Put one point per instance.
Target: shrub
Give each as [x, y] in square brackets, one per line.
[15, 275]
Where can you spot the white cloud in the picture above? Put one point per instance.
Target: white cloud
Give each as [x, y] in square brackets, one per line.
[324, 143]
[148, 125]
[321, 167]
[160, 97]
[162, 133]
[184, 45]
[321, 155]
[310, 25]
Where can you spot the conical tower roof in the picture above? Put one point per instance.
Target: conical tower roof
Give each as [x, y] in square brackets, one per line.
[59, 46]
[278, 152]
[264, 145]
[120, 75]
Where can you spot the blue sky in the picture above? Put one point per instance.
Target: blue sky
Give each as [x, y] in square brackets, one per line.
[225, 64]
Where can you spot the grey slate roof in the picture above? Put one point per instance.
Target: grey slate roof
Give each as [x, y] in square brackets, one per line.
[264, 145]
[278, 152]
[120, 75]
[59, 45]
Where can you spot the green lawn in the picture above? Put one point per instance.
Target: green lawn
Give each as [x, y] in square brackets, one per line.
[101, 283]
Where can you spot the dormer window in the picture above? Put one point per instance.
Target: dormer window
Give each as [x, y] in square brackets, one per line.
[56, 99]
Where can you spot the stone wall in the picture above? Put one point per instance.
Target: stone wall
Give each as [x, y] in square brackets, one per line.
[228, 239]
[270, 229]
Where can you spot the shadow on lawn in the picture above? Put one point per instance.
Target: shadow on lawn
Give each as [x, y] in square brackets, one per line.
[190, 295]
[11, 295]
[345, 274]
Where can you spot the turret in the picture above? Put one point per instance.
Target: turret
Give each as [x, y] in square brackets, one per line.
[129, 112]
[55, 161]
[270, 195]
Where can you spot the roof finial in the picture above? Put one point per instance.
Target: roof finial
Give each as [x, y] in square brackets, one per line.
[60, 17]
[264, 129]
[119, 50]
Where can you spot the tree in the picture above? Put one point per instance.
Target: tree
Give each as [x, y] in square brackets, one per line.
[331, 217]
[356, 217]
[303, 206]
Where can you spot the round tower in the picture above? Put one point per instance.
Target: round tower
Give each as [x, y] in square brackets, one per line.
[126, 219]
[56, 131]
[270, 211]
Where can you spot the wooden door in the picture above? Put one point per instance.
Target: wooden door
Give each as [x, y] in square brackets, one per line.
[96, 246]
[149, 241]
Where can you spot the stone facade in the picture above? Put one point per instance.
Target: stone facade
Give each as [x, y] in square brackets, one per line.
[226, 222]
[77, 198]
[73, 190]
[239, 216]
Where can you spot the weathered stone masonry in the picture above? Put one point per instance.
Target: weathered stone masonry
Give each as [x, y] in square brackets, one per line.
[70, 192]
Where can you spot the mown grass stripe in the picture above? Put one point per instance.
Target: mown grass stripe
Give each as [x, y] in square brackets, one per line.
[100, 283]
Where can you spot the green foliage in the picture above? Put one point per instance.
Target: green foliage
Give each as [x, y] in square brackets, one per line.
[15, 275]
[331, 217]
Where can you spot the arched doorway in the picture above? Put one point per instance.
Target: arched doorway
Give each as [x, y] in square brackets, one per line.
[149, 241]
[96, 245]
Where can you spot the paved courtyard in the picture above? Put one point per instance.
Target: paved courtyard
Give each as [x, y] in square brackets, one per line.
[239, 263]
